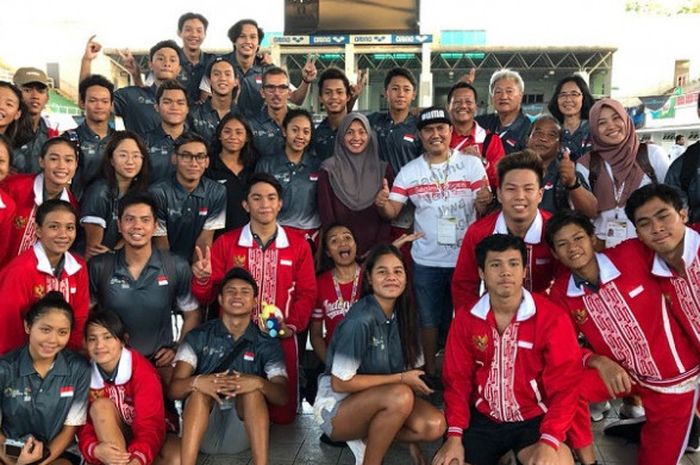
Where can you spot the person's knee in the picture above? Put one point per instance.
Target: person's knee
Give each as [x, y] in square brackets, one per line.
[252, 403]
[102, 408]
[434, 427]
[400, 399]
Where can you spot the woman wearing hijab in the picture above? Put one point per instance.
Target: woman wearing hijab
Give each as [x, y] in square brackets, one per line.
[617, 166]
[349, 182]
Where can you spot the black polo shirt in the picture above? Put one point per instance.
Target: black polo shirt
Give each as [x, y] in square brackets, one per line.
[514, 137]
[146, 304]
[398, 142]
[208, 345]
[299, 181]
[41, 407]
[92, 149]
[183, 215]
[160, 149]
[99, 206]
[235, 185]
[323, 141]
[204, 119]
[191, 74]
[578, 142]
[26, 157]
[267, 134]
[136, 106]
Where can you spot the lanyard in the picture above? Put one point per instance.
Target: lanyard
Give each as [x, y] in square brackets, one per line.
[444, 186]
[353, 293]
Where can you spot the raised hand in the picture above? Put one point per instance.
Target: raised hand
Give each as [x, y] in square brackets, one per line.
[484, 196]
[383, 194]
[309, 71]
[92, 48]
[201, 266]
[128, 61]
[567, 169]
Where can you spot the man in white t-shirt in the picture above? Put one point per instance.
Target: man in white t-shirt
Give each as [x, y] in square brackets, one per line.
[448, 189]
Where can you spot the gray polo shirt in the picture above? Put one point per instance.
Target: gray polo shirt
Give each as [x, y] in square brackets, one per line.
[26, 157]
[323, 141]
[99, 206]
[92, 149]
[398, 143]
[267, 134]
[556, 195]
[208, 345]
[204, 119]
[160, 148]
[299, 181]
[136, 106]
[191, 74]
[146, 304]
[41, 407]
[183, 215]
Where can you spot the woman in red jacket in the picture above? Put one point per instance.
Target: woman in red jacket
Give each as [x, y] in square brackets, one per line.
[126, 421]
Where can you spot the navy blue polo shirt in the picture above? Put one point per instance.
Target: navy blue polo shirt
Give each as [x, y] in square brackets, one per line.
[99, 206]
[267, 134]
[92, 149]
[136, 106]
[183, 215]
[146, 304]
[299, 181]
[26, 157]
[204, 119]
[398, 142]
[250, 101]
[160, 149]
[556, 195]
[41, 407]
[207, 346]
[514, 137]
[578, 142]
[191, 74]
[323, 141]
[365, 342]
[236, 185]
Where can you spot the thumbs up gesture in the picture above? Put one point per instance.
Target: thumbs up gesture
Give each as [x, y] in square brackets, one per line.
[567, 169]
[383, 194]
[484, 196]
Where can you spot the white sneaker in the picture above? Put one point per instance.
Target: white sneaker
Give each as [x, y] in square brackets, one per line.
[599, 410]
[357, 447]
[631, 411]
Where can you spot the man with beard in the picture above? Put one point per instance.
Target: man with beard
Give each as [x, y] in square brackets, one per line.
[267, 124]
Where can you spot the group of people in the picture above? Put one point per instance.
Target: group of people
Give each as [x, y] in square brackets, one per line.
[384, 237]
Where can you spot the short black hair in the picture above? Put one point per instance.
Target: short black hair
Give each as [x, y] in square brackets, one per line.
[667, 194]
[499, 243]
[53, 300]
[216, 61]
[564, 218]
[679, 137]
[95, 80]
[542, 119]
[135, 198]
[236, 30]
[62, 139]
[164, 44]
[588, 100]
[189, 137]
[109, 321]
[461, 85]
[402, 72]
[257, 178]
[189, 16]
[241, 273]
[525, 160]
[333, 73]
[296, 112]
[169, 84]
[53, 205]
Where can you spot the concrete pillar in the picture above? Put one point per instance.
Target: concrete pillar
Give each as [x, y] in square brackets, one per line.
[425, 90]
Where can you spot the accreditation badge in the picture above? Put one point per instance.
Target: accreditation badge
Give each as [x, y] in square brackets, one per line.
[447, 231]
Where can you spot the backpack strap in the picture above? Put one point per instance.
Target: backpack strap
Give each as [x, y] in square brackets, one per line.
[644, 162]
[594, 166]
[689, 166]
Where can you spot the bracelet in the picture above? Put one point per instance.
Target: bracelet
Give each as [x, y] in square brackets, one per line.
[193, 386]
[576, 185]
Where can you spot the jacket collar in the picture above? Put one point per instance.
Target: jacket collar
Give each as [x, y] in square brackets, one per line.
[526, 310]
[70, 266]
[691, 245]
[534, 232]
[124, 371]
[39, 190]
[246, 239]
[607, 269]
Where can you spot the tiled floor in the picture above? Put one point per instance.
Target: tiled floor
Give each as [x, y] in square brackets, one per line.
[298, 444]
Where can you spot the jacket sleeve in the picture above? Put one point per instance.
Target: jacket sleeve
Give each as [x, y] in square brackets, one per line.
[304, 295]
[458, 376]
[81, 307]
[205, 291]
[148, 427]
[560, 377]
[465, 280]
[17, 293]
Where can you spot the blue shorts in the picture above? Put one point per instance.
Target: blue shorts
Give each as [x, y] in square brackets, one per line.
[432, 288]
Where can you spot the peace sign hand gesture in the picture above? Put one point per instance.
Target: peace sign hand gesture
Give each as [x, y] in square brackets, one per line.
[309, 71]
[201, 266]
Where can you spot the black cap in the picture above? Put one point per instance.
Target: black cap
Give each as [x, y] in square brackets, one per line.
[432, 115]
[238, 272]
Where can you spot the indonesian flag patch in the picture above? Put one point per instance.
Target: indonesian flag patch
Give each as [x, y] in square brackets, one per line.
[249, 356]
[313, 177]
[66, 391]
[203, 211]
[258, 80]
[409, 137]
[162, 280]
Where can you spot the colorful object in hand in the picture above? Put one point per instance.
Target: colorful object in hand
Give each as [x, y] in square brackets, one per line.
[272, 319]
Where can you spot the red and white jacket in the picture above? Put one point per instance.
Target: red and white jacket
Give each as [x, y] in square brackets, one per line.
[27, 190]
[629, 320]
[138, 396]
[26, 279]
[540, 264]
[284, 272]
[684, 291]
[494, 151]
[7, 216]
[531, 369]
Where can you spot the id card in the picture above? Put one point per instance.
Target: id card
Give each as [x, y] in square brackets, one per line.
[615, 232]
[447, 231]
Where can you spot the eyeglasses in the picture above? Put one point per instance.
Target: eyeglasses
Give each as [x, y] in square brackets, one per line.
[569, 95]
[272, 88]
[190, 157]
